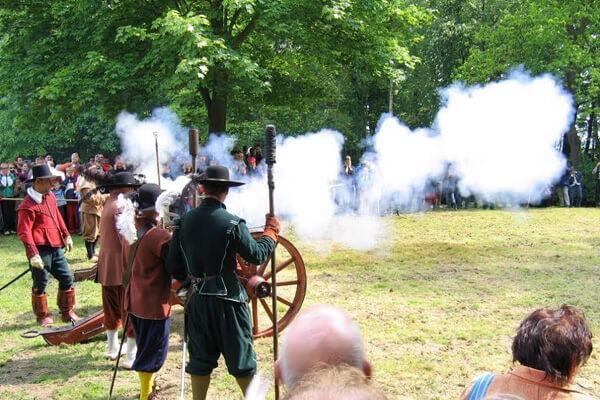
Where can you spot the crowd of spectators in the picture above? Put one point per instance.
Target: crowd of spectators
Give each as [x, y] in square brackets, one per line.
[71, 189]
[353, 194]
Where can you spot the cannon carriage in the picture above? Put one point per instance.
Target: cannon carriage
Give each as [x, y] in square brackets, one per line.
[291, 289]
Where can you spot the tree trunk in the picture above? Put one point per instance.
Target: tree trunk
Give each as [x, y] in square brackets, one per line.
[571, 138]
[215, 101]
[391, 97]
[574, 146]
[217, 113]
[590, 130]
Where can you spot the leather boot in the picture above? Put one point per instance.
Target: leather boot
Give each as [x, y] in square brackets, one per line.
[200, 386]
[130, 352]
[66, 301]
[243, 383]
[40, 309]
[88, 249]
[95, 252]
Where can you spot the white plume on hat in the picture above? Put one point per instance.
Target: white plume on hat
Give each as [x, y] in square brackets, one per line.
[169, 196]
[126, 219]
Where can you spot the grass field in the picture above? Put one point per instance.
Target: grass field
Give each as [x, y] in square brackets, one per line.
[437, 303]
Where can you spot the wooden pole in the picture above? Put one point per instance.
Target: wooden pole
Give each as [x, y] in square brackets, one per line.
[193, 148]
[270, 144]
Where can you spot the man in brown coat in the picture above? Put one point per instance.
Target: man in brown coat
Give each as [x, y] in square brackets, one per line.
[148, 288]
[111, 269]
[92, 203]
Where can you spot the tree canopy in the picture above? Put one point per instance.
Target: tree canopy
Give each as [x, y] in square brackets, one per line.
[67, 68]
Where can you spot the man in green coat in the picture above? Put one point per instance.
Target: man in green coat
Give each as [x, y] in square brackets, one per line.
[204, 246]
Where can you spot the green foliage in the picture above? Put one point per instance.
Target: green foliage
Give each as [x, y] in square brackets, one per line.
[67, 68]
[588, 180]
[543, 36]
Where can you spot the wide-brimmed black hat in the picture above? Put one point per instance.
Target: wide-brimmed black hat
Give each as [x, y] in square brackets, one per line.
[146, 197]
[41, 171]
[217, 174]
[124, 179]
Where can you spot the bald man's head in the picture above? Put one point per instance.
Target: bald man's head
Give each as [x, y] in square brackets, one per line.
[320, 335]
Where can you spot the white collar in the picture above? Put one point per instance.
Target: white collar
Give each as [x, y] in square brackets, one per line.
[36, 196]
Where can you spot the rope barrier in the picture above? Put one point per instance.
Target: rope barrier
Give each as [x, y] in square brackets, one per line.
[22, 198]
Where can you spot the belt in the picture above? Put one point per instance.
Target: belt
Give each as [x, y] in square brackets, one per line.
[198, 279]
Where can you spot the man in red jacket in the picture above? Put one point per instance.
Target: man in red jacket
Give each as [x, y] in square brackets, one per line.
[44, 234]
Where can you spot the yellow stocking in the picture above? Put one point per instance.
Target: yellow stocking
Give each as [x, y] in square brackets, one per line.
[146, 381]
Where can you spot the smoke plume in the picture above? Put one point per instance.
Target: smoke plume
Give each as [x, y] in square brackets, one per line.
[496, 142]
[138, 142]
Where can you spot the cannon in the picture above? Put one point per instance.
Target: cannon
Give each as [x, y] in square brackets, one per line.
[291, 289]
[257, 280]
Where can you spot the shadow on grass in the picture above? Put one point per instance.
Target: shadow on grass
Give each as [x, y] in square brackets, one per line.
[47, 368]
[21, 265]
[17, 327]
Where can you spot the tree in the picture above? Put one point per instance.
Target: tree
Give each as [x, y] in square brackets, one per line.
[74, 64]
[545, 36]
[447, 43]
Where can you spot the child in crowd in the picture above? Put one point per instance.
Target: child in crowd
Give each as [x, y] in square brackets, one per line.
[59, 192]
[7, 182]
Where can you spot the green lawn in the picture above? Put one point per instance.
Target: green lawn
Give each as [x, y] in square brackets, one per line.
[438, 303]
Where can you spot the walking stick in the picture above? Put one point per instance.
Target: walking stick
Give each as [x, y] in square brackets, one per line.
[112, 383]
[270, 146]
[193, 148]
[15, 279]
[157, 161]
[182, 378]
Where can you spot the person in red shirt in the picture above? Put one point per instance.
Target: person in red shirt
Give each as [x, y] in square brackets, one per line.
[147, 294]
[44, 234]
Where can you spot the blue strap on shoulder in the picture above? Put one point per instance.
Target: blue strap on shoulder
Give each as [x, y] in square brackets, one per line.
[480, 388]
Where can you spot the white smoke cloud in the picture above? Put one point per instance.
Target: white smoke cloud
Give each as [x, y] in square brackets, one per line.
[305, 175]
[499, 139]
[404, 161]
[138, 142]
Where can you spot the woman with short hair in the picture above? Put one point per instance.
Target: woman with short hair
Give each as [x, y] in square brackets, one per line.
[550, 346]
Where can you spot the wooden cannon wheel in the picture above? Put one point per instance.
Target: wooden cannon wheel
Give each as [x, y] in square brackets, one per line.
[291, 287]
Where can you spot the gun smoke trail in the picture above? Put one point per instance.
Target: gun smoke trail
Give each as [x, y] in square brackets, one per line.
[498, 140]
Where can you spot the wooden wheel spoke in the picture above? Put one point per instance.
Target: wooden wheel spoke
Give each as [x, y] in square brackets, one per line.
[267, 309]
[281, 266]
[287, 283]
[263, 266]
[284, 301]
[293, 284]
[254, 316]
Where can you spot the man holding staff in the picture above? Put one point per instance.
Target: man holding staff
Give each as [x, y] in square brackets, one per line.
[44, 234]
[204, 245]
[148, 285]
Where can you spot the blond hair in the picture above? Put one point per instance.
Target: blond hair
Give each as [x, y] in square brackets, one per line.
[335, 382]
